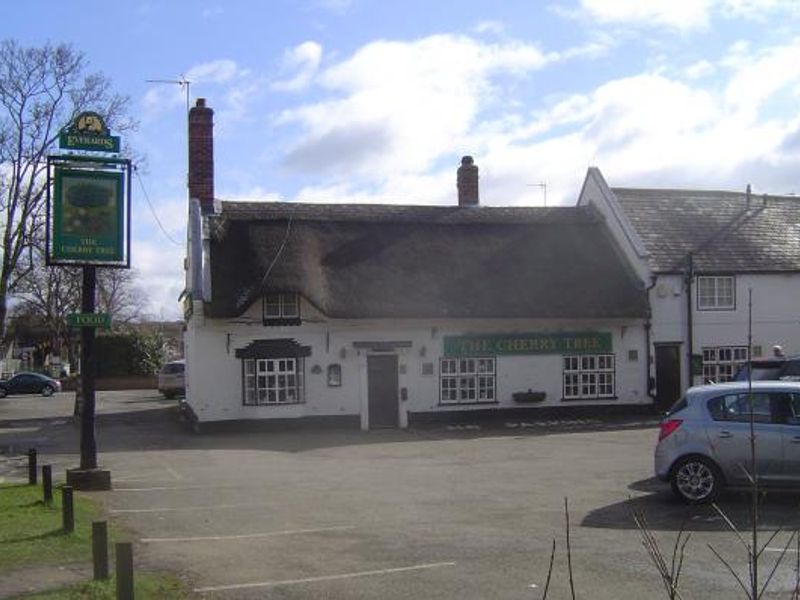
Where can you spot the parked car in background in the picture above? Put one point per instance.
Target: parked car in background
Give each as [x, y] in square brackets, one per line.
[771, 369]
[704, 440]
[171, 381]
[29, 383]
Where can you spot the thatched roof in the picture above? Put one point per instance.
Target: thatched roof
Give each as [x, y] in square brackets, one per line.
[389, 261]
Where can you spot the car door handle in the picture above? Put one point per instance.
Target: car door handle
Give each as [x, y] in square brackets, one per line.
[725, 434]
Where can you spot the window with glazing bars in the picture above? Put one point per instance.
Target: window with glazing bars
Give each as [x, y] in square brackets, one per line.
[467, 380]
[589, 376]
[270, 381]
[721, 363]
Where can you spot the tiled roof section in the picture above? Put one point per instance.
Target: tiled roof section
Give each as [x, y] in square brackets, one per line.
[374, 261]
[725, 233]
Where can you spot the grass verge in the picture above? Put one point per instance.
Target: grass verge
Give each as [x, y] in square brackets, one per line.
[31, 535]
[146, 586]
[31, 532]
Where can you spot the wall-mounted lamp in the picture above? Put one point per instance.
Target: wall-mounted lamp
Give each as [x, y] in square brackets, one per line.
[343, 352]
[423, 351]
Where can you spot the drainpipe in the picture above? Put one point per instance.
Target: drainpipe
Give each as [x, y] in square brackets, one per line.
[648, 324]
[689, 316]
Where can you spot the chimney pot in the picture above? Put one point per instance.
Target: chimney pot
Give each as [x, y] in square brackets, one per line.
[467, 182]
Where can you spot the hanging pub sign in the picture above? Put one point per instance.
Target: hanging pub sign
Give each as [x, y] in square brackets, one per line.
[88, 208]
[88, 216]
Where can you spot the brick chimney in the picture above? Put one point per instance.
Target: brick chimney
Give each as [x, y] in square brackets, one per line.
[467, 180]
[201, 155]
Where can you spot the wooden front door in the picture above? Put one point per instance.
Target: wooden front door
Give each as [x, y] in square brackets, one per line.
[668, 375]
[382, 382]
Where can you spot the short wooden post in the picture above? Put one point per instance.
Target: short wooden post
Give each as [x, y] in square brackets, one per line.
[47, 483]
[32, 466]
[124, 552]
[67, 510]
[100, 549]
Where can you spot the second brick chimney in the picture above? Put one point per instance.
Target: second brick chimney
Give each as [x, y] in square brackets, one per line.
[467, 181]
[201, 155]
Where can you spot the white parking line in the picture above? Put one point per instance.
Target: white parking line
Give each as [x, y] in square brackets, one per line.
[214, 538]
[242, 586]
[168, 488]
[787, 550]
[184, 508]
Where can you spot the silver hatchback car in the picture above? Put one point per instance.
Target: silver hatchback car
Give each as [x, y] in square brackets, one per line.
[704, 440]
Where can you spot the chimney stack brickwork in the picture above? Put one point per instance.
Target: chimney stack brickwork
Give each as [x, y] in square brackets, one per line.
[467, 181]
[201, 155]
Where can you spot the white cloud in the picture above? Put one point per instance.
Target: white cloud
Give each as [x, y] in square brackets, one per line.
[492, 27]
[304, 59]
[682, 15]
[677, 14]
[646, 129]
[699, 69]
[216, 71]
[390, 95]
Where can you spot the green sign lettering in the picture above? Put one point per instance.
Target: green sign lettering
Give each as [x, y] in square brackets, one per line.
[101, 320]
[589, 342]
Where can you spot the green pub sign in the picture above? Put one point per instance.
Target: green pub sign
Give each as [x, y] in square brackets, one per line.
[88, 216]
[587, 342]
[100, 320]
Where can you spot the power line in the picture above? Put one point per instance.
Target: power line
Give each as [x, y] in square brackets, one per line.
[152, 210]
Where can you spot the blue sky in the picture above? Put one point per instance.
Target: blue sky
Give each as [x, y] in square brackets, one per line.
[376, 101]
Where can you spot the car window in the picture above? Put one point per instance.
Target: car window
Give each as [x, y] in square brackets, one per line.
[736, 407]
[172, 368]
[791, 368]
[793, 410]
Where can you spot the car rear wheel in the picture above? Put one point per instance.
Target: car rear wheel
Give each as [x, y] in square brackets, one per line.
[696, 480]
[3, 393]
[47, 390]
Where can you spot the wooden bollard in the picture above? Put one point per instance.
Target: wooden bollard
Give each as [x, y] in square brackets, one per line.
[32, 466]
[67, 509]
[124, 552]
[100, 549]
[47, 483]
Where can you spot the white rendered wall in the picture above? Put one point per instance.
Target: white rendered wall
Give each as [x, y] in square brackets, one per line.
[215, 374]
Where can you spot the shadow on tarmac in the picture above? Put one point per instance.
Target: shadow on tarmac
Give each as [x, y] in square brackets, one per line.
[664, 512]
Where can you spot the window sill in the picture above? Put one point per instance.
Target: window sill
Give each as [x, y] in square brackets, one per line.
[272, 404]
[476, 403]
[590, 399]
[293, 321]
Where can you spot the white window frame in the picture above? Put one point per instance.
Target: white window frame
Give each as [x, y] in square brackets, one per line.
[720, 363]
[272, 381]
[285, 305]
[716, 292]
[589, 376]
[468, 380]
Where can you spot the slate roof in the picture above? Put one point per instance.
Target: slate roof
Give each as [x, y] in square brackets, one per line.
[390, 261]
[724, 232]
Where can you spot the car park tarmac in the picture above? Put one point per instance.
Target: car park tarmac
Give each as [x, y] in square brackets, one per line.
[450, 512]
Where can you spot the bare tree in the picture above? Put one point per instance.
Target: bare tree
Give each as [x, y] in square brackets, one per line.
[41, 91]
[119, 295]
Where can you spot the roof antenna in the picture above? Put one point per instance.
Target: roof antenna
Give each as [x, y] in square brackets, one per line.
[184, 83]
[543, 186]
